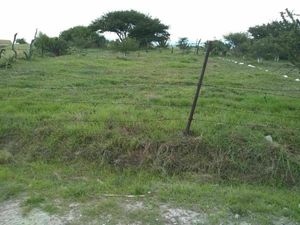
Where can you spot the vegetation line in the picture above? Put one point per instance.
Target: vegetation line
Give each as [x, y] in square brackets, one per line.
[249, 125]
[167, 85]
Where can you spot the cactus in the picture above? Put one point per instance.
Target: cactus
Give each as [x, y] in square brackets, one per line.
[13, 46]
[28, 54]
[1, 52]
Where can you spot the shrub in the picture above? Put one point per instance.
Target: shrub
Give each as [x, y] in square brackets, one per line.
[83, 37]
[127, 45]
[21, 41]
[55, 46]
[183, 45]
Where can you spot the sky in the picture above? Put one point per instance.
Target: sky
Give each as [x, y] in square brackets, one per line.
[195, 19]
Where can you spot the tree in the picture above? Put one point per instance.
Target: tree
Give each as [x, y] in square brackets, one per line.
[132, 24]
[163, 42]
[127, 45]
[291, 38]
[42, 42]
[279, 39]
[55, 46]
[148, 31]
[239, 42]
[183, 44]
[219, 48]
[21, 41]
[197, 46]
[82, 37]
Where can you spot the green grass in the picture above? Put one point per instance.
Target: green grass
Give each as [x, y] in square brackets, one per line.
[77, 127]
[131, 112]
[53, 187]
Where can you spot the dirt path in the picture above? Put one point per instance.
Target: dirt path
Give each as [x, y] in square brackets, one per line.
[127, 212]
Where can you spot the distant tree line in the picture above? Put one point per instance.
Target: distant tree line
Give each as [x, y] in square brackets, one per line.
[273, 41]
[134, 30]
[276, 40]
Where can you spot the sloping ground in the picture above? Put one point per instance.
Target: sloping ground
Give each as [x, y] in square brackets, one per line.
[131, 111]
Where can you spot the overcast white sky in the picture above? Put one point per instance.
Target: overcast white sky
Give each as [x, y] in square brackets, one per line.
[187, 18]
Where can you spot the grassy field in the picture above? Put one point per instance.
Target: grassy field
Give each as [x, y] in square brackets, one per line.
[126, 116]
[132, 111]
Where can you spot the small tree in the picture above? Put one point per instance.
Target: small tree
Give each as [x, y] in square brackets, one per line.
[54, 46]
[290, 40]
[127, 45]
[21, 41]
[183, 45]
[82, 37]
[57, 46]
[219, 48]
[42, 42]
[239, 43]
[197, 46]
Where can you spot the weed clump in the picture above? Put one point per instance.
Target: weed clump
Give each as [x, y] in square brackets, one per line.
[5, 157]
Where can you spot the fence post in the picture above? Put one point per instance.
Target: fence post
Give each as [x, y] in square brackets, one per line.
[190, 119]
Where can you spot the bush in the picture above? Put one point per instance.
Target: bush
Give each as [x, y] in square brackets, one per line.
[54, 46]
[83, 37]
[127, 45]
[21, 41]
[183, 45]
[6, 58]
[57, 46]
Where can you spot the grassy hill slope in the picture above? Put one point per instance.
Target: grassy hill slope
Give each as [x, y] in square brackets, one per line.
[131, 111]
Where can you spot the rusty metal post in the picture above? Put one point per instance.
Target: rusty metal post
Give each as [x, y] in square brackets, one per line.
[190, 119]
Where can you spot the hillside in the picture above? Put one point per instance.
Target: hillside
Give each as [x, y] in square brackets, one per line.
[132, 111]
[97, 138]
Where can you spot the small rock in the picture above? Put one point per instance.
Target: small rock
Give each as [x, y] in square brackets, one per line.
[297, 79]
[285, 76]
[73, 205]
[269, 138]
[267, 70]
[236, 216]
[241, 63]
[251, 66]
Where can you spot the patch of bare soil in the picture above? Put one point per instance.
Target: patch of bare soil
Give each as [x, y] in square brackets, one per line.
[11, 214]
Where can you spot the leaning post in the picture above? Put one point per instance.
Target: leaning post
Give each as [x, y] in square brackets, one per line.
[190, 119]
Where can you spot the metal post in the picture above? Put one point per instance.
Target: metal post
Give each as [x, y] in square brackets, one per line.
[188, 125]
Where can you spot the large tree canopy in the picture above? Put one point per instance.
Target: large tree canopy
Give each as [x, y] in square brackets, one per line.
[132, 24]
